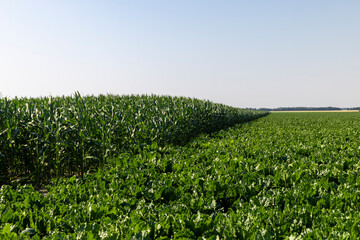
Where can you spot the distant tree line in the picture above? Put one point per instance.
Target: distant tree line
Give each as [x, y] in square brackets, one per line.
[304, 109]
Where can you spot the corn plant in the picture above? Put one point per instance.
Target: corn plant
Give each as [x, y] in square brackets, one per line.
[50, 137]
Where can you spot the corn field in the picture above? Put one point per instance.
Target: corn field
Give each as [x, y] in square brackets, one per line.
[50, 137]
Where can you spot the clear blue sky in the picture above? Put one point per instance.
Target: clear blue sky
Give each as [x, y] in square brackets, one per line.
[240, 53]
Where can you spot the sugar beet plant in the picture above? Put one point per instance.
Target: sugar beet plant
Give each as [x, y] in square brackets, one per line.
[49, 137]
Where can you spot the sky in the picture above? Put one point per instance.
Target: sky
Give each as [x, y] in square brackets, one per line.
[243, 53]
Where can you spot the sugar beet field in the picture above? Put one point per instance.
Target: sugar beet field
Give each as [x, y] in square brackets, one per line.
[158, 167]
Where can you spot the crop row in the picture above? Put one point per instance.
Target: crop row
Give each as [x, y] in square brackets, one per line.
[51, 137]
[286, 176]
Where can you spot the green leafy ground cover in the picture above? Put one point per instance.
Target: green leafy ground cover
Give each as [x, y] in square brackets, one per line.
[284, 176]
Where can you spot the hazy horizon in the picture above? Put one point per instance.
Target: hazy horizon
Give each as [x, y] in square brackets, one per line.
[12, 97]
[240, 53]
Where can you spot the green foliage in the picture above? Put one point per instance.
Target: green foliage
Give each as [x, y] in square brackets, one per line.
[286, 176]
[52, 137]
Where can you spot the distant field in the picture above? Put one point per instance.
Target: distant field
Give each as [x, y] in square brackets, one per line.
[316, 111]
